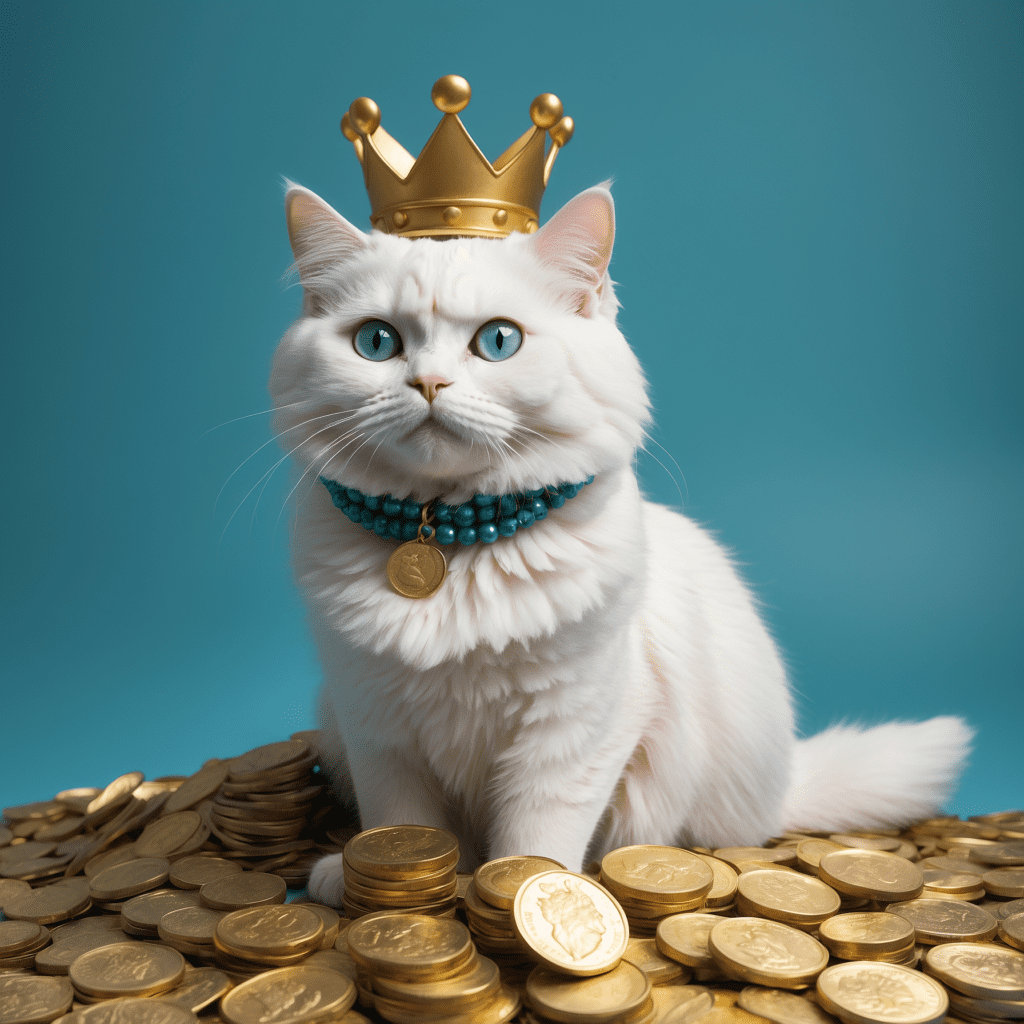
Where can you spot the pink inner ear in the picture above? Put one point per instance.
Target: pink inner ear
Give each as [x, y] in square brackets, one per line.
[580, 235]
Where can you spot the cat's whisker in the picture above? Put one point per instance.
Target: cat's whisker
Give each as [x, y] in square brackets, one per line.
[651, 455]
[266, 477]
[249, 416]
[674, 463]
[276, 437]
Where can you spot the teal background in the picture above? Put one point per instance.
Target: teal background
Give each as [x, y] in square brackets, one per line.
[819, 257]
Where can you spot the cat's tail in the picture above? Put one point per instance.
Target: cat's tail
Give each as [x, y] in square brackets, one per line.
[889, 775]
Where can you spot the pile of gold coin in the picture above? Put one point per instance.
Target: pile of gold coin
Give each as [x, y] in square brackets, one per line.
[164, 902]
[409, 868]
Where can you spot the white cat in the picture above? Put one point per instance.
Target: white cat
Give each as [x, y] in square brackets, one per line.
[598, 679]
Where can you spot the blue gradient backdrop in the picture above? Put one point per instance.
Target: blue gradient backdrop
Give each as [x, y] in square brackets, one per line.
[820, 256]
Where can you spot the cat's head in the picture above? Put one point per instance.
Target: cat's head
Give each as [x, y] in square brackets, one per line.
[429, 368]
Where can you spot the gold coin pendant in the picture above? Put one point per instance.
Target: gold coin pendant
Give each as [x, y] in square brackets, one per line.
[416, 569]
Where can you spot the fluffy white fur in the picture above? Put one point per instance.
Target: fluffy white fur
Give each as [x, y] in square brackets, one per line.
[599, 679]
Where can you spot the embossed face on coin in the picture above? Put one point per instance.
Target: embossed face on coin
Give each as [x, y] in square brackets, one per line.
[884, 993]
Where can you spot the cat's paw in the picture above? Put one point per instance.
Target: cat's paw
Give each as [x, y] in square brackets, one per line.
[327, 880]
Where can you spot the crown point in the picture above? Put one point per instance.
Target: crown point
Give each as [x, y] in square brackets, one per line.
[545, 110]
[346, 128]
[451, 93]
[561, 132]
[364, 115]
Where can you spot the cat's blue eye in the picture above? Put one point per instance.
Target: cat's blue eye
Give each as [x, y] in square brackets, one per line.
[497, 340]
[377, 340]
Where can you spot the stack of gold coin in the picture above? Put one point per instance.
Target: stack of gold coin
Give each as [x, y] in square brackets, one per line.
[190, 930]
[722, 895]
[619, 996]
[655, 882]
[984, 982]
[789, 897]
[20, 941]
[952, 885]
[418, 968]
[404, 867]
[140, 916]
[870, 936]
[489, 898]
[254, 940]
[660, 969]
[259, 811]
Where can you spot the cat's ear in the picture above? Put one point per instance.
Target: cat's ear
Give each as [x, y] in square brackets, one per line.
[321, 239]
[578, 241]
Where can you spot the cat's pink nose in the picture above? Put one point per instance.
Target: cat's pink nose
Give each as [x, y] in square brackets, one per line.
[429, 385]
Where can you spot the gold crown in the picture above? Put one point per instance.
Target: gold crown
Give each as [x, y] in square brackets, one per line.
[451, 188]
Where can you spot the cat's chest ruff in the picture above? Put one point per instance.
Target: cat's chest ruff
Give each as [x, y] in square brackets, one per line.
[519, 591]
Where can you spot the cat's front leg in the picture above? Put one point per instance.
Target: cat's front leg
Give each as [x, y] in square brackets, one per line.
[391, 789]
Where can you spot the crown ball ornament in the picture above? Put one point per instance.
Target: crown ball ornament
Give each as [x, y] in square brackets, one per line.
[451, 189]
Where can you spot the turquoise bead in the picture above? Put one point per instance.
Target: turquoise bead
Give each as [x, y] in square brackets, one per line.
[411, 509]
[465, 515]
[428, 532]
[539, 509]
[569, 490]
[483, 500]
[395, 529]
[366, 518]
[354, 495]
[380, 525]
[487, 533]
[391, 507]
[467, 536]
[445, 534]
[536, 493]
[508, 526]
[507, 506]
[525, 517]
[372, 502]
[354, 512]
[443, 512]
[554, 499]
[409, 530]
[487, 513]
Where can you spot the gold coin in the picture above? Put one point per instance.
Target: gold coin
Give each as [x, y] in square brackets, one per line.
[766, 952]
[116, 793]
[58, 958]
[109, 858]
[194, 872]
[249, 889]
[980, 969]
[416, 569]
[872, 873]
[129, 879]
[193, 925]
[268, 758]
[85, 924]
[938, 920]
[16, 936]
[681, 1004]
[199, 989]
[1011, 931]
[1004, 882]
[11, 889]
[25, 999]
[475, 985]
[957, 864]
[145, 911]
[26, 851]
[985, 1009]
[865, 935]
[46, 905]
[1004, 910]
[34, 868]
[571, 923]
[399, 851]
[410, 946]
[63, 828]
[723, 888]
[197, 788]
[289, 995]
[334, 960]
[656, 874]
[790, 898]
[874, 993]
[41, 810]
[735, 855]
[274, 930]
[782, 1007]
[127, 969]
[660, 969]
[954, 883]
[331, 920]
[887, 843]
[611, 996]
[131, 1011]
[497, 881]
[166, 834]
[684, 937]
[1008, 854]
[79, 798]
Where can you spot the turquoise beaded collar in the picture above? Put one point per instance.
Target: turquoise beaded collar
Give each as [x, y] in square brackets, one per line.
[484, 518]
